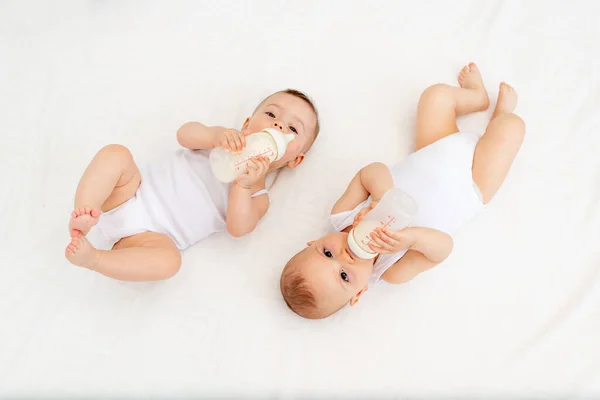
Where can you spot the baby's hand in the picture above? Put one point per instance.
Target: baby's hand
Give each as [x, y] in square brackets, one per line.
[361, 214]
[231, 140]
[257, 169]
[386, 241]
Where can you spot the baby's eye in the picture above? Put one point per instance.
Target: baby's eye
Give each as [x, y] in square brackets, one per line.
[293, 129]
[270, 114]
[328, 254]
[344, 276]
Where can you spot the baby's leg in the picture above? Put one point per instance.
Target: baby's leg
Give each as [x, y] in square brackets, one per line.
[440, 104]
[110, 179]
[499, 145]
[147, 256]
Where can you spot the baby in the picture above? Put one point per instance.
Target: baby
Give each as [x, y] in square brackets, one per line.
[451, 176]
[145, 218]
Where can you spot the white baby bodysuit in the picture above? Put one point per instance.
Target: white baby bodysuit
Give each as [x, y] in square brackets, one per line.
[179, 197]
[439, 177]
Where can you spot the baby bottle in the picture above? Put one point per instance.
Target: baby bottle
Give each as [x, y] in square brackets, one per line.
[270, 143]
[394, 211]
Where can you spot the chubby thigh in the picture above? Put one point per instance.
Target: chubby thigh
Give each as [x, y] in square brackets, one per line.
[146, 256]
[496, 152]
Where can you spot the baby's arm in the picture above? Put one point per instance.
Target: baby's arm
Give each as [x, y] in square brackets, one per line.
[197, 136]
[430, 248]
[374, 180]
[244, 211]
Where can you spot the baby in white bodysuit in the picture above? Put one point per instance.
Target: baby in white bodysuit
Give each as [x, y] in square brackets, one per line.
[143, 218]
[450, 176]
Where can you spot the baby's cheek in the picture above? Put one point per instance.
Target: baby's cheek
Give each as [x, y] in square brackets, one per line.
[256, 125]
[293, 149]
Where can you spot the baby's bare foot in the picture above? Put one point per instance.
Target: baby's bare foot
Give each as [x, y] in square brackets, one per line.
[82, 220]
[80, 252]
[470, 78]
[507, 100]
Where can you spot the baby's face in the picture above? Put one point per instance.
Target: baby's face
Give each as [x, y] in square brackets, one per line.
[289, 114]
[334, 275]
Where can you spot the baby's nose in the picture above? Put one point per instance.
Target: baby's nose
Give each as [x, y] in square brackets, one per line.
[278, 125]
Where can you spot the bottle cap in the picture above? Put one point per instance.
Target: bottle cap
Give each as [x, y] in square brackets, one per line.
[357, 250]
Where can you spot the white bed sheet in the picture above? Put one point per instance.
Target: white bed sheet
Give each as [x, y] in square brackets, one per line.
[513, 312]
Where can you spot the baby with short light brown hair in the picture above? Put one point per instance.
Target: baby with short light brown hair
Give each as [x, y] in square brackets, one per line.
[451, 176]
[142, 219]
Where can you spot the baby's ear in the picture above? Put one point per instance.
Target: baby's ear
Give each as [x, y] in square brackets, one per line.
[296, 161]
[355, 299]
[246, 123]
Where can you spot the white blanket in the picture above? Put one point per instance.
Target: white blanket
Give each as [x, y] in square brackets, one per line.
[513, 312]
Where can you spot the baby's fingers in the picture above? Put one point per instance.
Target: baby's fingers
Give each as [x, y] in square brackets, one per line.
[259, 167]
[266, 162]
[234, 143]
[252, 165]
[387, 236]
[381, 242]
[263, 165]
[378, 249]
[361, 214]
[225, 144]
[240, 142]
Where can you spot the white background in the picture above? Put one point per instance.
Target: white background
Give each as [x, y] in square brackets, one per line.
[514, 311]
